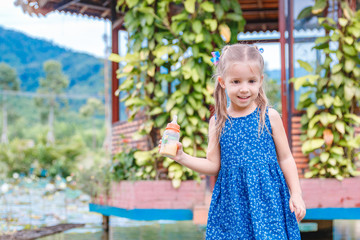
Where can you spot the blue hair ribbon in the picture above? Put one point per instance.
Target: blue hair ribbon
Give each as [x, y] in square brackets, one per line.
[216, 57]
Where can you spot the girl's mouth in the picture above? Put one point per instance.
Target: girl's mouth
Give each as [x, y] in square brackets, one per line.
[243, 98]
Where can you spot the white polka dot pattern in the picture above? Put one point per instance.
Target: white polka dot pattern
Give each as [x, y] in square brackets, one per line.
[250, 200]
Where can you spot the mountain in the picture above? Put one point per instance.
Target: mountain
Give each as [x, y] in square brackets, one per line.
[27, 55]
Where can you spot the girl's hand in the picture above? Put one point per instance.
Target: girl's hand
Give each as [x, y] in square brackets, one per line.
[297, 204]
[179, 153]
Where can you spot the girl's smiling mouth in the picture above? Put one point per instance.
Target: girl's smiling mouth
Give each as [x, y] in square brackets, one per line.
[244, 97]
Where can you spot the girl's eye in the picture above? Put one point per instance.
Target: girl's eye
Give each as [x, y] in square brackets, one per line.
[236, 81]
[252, 81]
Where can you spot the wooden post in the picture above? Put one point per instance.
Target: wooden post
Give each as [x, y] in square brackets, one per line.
[105, 223]
[283, 65]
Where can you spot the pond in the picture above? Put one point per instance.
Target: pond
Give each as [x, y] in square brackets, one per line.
[31, 203]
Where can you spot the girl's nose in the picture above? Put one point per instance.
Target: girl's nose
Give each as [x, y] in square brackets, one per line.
[244, 89]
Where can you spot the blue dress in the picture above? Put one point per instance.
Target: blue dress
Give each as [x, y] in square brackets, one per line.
[250, 199]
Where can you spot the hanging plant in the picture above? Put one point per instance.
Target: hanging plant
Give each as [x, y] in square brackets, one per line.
[332, 99]
[167, 70]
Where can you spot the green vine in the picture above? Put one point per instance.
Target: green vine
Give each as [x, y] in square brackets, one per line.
[332, 98]
[167, 70]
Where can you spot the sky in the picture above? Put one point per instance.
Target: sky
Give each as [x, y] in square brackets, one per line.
[75, 32]
[85, 34]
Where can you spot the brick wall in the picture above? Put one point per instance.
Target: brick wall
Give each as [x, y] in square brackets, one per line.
[301, 160]
[154, 195]
[122, 133]
[331, 193]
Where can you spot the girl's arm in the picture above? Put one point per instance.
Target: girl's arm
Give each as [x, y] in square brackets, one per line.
[287, 163]
[209, 165]
[285, 158]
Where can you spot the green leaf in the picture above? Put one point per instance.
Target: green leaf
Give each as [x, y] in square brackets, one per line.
[314, 120]
[186, 141]
[349, 65]
[312, 132]
[343, 22]
[349, 92]
[338, 102]
[176, 183]
[340, 126]
[337, 150]
[299, 82]
[353, 117]
[349, 50]
[311, 110]
[324, 156]
[207, 6]
[156, 111]
[349, 40]
[308, 175]
[337, 79]
[161, 120]
[311, 145]
[321, 40]
[336, 68]
[306, 66]
[197, 27]
[212, 23]
[190, 6]
[170, 104]
[131, 3]
[115, 57]
[219, 11]
[319, 6]
[305, 13]
[328, 100]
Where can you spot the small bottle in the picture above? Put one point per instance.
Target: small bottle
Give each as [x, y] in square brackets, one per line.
[170, 138]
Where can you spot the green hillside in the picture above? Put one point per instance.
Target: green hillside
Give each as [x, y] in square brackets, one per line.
[27, 56]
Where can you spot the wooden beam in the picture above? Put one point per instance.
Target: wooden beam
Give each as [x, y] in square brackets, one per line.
[83, 9]
[283, 65]
[92, 6]
[62, 5]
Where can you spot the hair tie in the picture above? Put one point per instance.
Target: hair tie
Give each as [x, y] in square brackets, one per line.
[216, 57]
[261, 50]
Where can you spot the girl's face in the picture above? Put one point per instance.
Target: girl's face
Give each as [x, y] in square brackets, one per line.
[242, 82]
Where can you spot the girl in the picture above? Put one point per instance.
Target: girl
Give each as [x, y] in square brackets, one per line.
[249, 151]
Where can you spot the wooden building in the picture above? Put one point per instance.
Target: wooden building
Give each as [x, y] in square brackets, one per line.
[261, 16]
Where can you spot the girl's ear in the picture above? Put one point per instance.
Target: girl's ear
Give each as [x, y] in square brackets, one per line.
[262, 79]
[221, 81]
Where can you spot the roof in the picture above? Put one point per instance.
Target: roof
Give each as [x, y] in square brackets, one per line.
[260, 15]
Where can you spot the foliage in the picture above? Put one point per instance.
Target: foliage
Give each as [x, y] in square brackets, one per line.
[55, 82]
[124, 166]
[132, 165]
[332, 99]
[168, 70]
[26, 156]
[92, 108]
[8, 78]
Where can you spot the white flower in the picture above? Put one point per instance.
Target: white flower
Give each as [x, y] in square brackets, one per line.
[5, 188]
[49, 187]
[15, 175]
[62, 185]
[68, 178]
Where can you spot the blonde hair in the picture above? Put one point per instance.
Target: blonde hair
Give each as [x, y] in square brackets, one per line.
[229, 55]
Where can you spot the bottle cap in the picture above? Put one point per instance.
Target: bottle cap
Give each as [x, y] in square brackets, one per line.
[173, 125]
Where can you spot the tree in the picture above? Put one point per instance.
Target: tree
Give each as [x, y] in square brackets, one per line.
[54, 83]
[92, 108]
[8, 81]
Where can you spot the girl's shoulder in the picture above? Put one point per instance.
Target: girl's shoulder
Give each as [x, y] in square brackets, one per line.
[274, 117]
